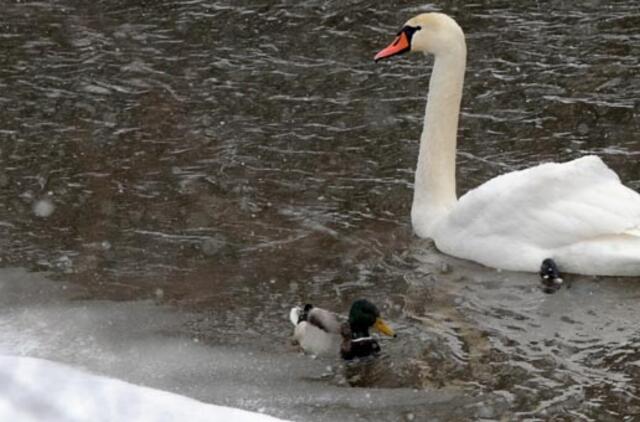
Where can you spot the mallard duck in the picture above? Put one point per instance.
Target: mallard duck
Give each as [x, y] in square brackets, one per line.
[320, 332]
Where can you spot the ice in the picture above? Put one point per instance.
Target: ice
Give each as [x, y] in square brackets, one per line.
[148, 344]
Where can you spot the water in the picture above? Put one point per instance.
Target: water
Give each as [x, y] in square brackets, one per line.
[228, 159]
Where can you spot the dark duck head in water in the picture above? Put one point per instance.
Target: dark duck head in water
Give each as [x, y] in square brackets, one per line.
[356, 340]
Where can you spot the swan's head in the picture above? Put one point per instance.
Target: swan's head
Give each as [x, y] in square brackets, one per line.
[433, 33]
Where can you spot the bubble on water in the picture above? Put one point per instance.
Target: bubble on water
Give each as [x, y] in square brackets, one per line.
[445, 268]
[484, 411]
[159, 293]
[212, 245]
[43, 208]
[583, 129]
[64, 264]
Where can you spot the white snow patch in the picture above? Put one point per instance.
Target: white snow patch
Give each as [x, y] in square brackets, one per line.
[38, 390]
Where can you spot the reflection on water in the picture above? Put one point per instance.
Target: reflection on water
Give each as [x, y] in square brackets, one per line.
[234, 157]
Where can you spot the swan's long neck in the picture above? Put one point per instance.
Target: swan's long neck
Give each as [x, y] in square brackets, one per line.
[435, 178]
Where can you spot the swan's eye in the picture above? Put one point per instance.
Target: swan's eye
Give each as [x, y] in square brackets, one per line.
[409, 31]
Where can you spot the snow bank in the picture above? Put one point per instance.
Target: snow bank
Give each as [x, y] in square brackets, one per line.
[40, 390]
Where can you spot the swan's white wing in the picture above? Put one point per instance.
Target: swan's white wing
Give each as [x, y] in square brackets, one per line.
[537, 210]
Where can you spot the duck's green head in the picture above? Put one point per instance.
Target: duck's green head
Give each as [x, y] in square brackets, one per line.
[364, 315]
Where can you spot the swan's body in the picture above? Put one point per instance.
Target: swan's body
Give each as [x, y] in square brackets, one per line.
[577, 213]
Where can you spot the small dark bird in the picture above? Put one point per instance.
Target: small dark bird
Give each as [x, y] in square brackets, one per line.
[318, 331]
[550, 276]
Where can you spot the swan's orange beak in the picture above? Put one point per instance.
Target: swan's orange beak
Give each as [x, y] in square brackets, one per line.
[398, 46]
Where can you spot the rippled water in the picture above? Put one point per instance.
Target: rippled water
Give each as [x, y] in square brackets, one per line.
[234, 157]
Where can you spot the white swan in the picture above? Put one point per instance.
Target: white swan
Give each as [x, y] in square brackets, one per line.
[577, 213]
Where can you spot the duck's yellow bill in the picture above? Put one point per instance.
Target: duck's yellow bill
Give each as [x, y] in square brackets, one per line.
[382, 326]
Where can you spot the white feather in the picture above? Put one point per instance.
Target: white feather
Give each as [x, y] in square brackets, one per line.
[294, 315]
[577, 213]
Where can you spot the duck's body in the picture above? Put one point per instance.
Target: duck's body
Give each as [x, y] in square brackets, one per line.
[309, 335]
[320, 332]
[577, 212]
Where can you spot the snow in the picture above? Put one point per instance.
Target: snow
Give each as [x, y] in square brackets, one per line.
[37, 390]
[126, 341]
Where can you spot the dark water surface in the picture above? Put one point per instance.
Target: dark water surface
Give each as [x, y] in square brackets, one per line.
[231, 158]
